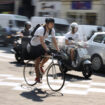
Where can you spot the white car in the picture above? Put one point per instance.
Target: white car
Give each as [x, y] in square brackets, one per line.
[96, 48]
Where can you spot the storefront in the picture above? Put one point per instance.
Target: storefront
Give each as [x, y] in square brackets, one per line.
[84, 11]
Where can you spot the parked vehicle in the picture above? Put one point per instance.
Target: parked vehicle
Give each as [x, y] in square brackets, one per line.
[17, 21]
[87, 30]
[96, 49]
[61, 25]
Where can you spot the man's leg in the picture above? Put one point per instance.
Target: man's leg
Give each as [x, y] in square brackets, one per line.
[72, 57]
[72, 54]
[37, 63]
[44, 60]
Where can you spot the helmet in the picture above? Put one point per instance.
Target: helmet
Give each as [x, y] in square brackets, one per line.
[49, 20]
[74, 24]
[28, 23]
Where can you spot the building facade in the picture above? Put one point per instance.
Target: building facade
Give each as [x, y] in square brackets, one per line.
[84, 11]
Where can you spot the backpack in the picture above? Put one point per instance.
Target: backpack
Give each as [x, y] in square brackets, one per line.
[36, 27]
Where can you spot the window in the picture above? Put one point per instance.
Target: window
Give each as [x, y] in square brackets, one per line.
[61, 29]
[20, 23]
[99, 38]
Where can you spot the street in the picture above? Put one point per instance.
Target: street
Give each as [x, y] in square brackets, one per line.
[76, 91]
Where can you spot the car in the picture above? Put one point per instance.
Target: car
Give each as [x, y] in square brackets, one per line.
[96, 48]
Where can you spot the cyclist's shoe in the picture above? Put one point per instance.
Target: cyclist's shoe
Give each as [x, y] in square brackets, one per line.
[38, 80]
[42, 71]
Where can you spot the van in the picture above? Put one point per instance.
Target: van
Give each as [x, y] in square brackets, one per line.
[61, 25]
[87, 30]
[17, 21]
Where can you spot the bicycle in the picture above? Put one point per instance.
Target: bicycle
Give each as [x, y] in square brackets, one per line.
[55, 76]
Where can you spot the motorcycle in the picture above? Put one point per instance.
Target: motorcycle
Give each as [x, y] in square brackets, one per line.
[19, 45]
[82, 60]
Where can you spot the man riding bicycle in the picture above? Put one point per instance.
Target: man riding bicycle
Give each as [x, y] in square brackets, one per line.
[39, 47]
[70, 38]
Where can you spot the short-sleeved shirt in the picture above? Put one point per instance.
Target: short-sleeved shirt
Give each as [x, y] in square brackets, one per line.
[40, 32]
[26, 32]
[75, 37]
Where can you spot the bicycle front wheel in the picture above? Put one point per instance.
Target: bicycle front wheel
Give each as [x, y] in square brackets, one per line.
[29, 73]
[55, 77]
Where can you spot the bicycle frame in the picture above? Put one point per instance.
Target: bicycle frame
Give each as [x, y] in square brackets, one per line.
[50, 57]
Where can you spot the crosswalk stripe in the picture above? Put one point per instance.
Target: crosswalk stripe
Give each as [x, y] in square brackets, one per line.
[69, 88]
[6, 56]
[96, 90]
[72, 91]
[8, 84]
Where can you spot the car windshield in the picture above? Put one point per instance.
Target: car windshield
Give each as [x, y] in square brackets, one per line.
[61, 29]
[20, 23]
[99, 38]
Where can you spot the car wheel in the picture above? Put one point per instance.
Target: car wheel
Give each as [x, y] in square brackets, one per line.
[97, 63]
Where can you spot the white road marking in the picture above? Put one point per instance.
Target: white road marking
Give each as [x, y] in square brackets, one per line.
[99, 90]
[5, 60]
[72, 91]
[6, 56]
[78, 85]
[98, 84]
[80, 89]
[15, 78]
[8, 84]
[5, 75]
[19, 88]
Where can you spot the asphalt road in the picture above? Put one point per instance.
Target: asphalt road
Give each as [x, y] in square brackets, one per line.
[77, 90]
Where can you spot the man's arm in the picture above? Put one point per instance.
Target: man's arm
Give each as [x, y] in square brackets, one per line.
[43, 43]
[55, 43]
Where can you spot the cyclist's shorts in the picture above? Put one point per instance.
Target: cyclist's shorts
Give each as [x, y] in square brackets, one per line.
[36, 51]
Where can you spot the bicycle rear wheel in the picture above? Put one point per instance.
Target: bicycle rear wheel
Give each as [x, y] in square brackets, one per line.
[55, 77]
[29, 73]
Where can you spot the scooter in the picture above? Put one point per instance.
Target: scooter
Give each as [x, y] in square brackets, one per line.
[82, 60]
[19, 46]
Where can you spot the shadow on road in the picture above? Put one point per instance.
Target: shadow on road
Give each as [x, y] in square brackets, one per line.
[39, 94]
[75, 78]
[100, 73]
[17, 64]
